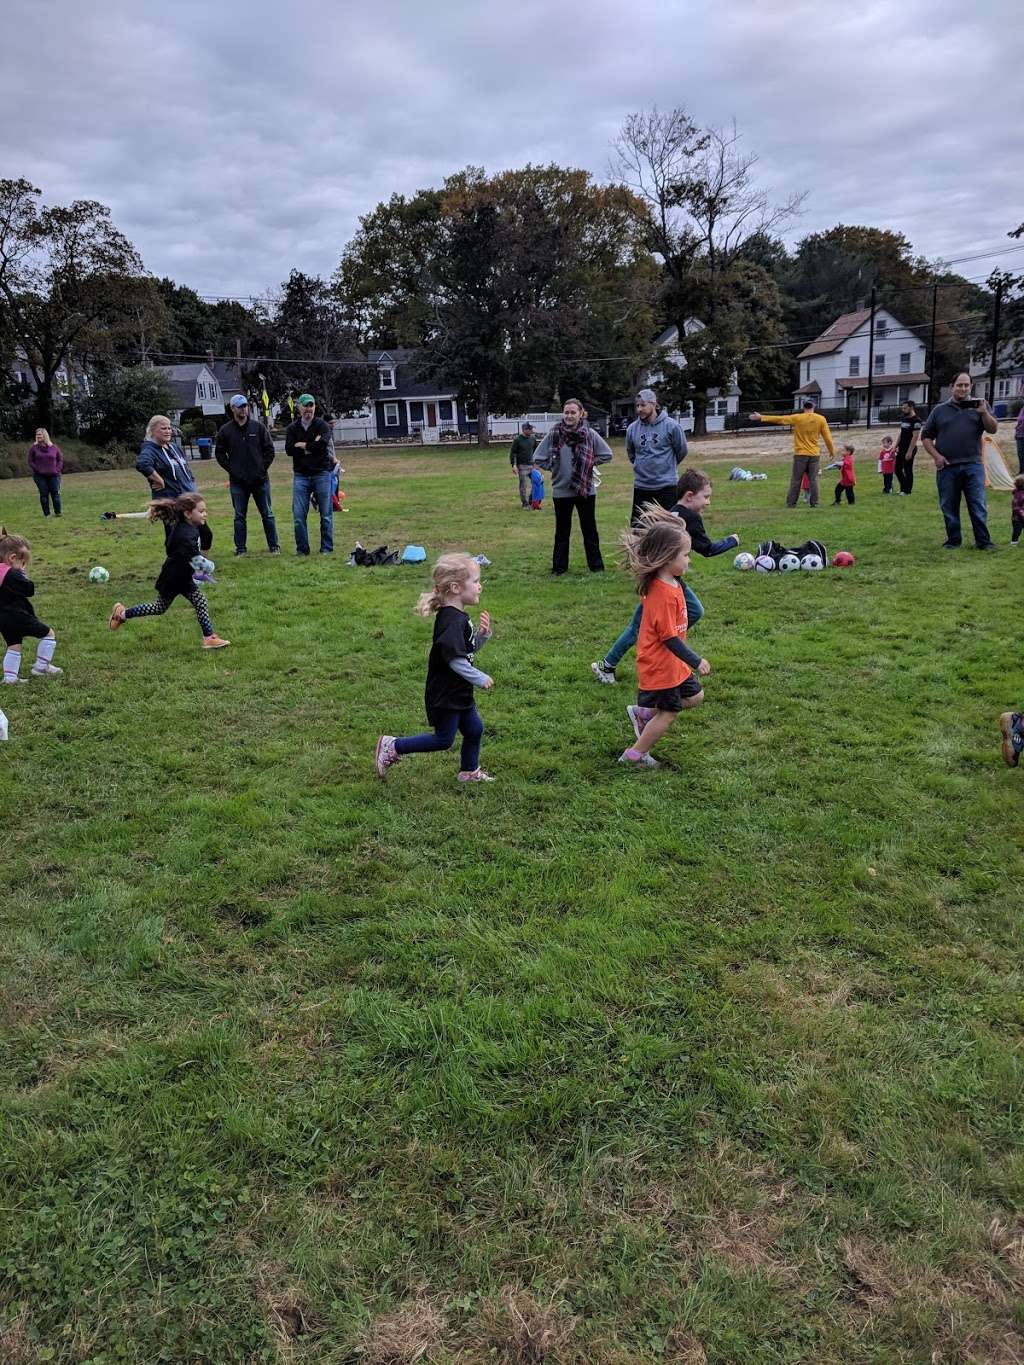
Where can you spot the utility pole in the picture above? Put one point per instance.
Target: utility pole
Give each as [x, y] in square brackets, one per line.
[931, 343]
[871, 354]
[994, 365]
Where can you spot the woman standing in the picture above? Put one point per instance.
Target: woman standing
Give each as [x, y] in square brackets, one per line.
[46, 465]
[162, 462]
[571, 450]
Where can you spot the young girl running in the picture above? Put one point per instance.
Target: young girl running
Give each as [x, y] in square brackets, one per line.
[451, 675]
[18, 621]
[186, 536]
[658, 552]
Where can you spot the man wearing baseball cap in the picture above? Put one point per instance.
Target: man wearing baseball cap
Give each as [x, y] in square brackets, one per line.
[245, 449]
[655, 445]
[309, 442]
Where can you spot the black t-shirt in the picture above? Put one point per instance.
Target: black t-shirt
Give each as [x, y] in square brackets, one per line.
[908, 425]
[453, 639]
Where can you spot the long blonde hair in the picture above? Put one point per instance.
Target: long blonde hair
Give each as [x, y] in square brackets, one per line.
[449, 573]
[46, 435]
[653, 543]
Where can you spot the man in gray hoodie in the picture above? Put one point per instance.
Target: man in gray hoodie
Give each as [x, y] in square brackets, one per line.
[655, 445]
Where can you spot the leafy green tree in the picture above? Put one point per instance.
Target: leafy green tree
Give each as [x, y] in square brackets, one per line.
[70, 283]
[514, 287]
[122, 401]
[315, 347]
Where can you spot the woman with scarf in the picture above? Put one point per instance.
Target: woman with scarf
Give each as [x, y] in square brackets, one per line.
[571, 450]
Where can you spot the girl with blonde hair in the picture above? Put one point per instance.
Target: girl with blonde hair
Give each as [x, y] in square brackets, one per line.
[451, 675]
[658, 554]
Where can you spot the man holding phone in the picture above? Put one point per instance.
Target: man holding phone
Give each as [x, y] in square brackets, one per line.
[952, 437]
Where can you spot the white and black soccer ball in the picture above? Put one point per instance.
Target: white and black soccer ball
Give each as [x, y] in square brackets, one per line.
[743, 561]
[787, 563]
[764, 564]
[99, 574]
[812, 562]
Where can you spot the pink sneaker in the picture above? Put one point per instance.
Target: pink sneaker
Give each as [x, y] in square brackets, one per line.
[638, 760]
[478, 775]
[386, 754]
[638, 718]
[214, 642]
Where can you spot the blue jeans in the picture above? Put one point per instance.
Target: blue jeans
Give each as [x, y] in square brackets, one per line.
[240, 495]
[969, 480]
[628, 638]
[303, 488]
[49, 487]
[445, 724]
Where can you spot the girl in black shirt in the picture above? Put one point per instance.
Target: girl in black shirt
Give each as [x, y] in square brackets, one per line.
[186, 538]
[451, 675]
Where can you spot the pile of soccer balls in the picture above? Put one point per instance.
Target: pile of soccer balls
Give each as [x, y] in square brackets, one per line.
[772, 557]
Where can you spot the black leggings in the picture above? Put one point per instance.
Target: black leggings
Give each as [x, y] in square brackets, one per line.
[157, 608]
[905, 473]
[842, 488]
[586, 510]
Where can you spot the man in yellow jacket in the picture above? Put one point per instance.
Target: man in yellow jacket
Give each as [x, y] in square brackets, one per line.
[808, 427]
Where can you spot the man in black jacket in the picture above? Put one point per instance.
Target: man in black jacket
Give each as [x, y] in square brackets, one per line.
[245, 449]
[309, 442]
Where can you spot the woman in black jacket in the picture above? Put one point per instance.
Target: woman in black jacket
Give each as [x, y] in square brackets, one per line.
[186, 537]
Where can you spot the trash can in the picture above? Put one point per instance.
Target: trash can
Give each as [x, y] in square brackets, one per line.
[999, 410]
[205, 447]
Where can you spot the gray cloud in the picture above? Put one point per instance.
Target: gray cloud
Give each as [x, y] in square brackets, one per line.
[235, 143]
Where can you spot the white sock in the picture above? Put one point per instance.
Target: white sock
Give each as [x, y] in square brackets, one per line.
[12, 665]
[44, 653]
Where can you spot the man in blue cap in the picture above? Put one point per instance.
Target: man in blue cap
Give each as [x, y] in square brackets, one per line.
[309, 443]
[246, 450]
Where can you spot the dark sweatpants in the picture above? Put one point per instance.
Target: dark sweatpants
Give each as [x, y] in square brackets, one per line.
[586, 510]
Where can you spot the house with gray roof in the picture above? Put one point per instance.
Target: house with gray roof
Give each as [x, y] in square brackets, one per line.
[406, 403]
[194, 386]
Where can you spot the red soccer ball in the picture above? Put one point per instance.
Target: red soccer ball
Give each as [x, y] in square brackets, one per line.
[843, 560]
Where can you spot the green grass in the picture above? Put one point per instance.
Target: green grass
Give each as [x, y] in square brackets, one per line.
[716, 1063]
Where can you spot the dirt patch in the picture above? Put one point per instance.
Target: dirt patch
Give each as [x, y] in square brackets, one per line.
[15, 1347]
[871, 1279]
[412, 1333]
[514, 1329]
[290, 1316]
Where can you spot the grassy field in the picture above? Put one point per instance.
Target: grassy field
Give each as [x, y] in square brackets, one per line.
[719, 1063]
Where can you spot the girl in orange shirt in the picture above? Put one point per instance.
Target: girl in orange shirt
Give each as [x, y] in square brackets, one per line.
[658, 552]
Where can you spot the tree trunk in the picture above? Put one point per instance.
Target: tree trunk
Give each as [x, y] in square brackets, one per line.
[44, 399]
[482, 424]
[700, 415]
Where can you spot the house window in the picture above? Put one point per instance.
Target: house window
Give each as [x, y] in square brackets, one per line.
[807, 373]
[881, 328]
[444, 410]
[391, 414]
[387, 378]
[854, 366]
[1002, 388]
[721, 406]
[415, 412]
[904, 393]
[904, 362]
[880, 364]
[201, 389]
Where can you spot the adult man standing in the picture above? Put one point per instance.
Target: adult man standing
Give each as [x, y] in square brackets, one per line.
[520, 458]
[655, 446]
[952, 437]
[808, 428]
[309, 442]
[906, 447]
[246, 450]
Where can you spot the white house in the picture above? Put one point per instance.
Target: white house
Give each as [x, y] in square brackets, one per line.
[834, 368]
[1009, 373]
[194, 386]
[722, 403]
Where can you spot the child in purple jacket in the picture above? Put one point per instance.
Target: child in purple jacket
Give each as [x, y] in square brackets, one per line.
[46, 464]
[1017, 510]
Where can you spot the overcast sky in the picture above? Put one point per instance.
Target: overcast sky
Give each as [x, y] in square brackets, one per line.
[235, 142]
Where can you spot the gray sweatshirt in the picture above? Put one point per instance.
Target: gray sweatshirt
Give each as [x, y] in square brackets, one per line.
[561, 464]
[655, 449]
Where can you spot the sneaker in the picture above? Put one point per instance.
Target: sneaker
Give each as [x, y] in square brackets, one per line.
[1014, 542]
[989, 546]
[638, 760]
[275, 550]
[9, 682]
[117, 616]
[386, 754]
[637, 719]
[240, 552]
[1011, 723]
[477, 775]
[951, 544]
[602, 672]
[46, 671]
[214, 642]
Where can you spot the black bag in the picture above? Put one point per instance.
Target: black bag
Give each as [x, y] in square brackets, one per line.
[373, 558]
[775, 551]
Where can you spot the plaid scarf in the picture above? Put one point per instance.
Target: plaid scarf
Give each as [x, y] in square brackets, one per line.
[581, 451]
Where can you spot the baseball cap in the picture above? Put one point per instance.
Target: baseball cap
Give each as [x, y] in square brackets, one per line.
[647, 396]
[305, 398]
[239, 401]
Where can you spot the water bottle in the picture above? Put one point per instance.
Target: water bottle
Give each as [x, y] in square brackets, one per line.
[3, 726]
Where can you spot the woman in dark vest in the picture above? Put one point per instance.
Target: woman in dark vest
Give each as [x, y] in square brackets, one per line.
[571, 451]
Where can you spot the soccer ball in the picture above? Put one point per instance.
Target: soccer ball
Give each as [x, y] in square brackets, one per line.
[843, 560]
[812, 562]
[788, 563]
[743, 561]
[99, 574]
[764, 564]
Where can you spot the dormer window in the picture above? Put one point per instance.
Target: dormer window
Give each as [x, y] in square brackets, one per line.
[881, 328]
[386, 376]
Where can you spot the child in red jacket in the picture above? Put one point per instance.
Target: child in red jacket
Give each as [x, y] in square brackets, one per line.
[847, 478]
[887, 463]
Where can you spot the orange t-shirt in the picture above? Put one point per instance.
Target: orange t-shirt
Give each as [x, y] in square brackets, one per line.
[664, 617]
